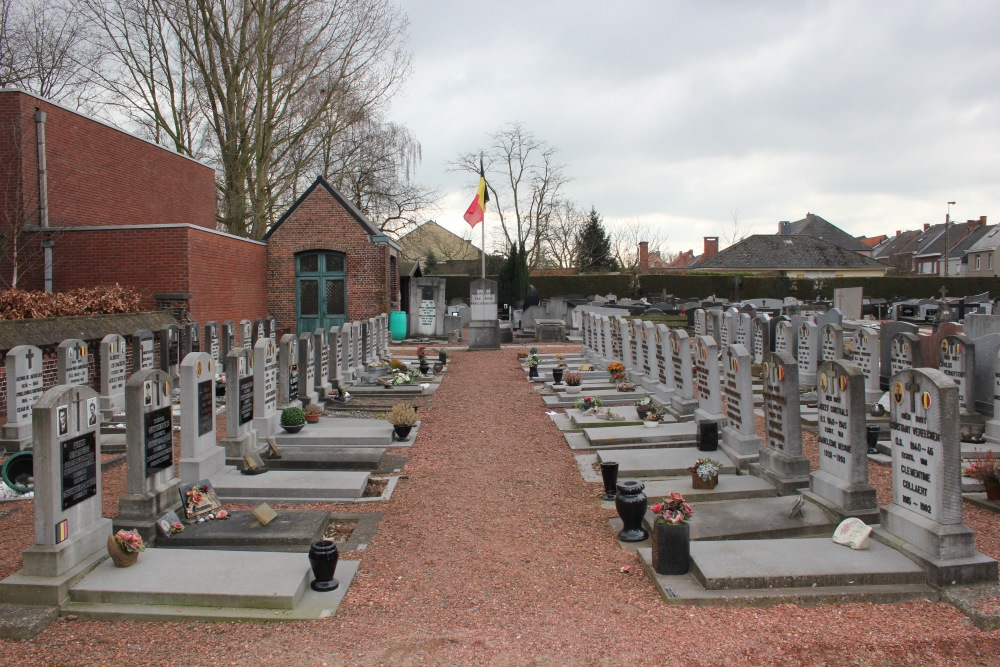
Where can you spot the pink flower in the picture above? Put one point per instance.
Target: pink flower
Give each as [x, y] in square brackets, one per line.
[657, 508]
[675, 496]
[222, 514]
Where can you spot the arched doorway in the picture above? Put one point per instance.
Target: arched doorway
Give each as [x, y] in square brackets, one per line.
[320, 290]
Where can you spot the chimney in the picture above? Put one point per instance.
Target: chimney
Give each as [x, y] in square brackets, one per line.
[897, 232]
[982, 221]
[784, 228]
[643, 256]
[927, 226]
[711, 246]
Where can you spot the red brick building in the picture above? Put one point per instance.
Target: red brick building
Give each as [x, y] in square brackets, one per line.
[97, 205]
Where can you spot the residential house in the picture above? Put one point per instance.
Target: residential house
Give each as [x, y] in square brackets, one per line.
[982, 257]
[436, 248]
[793, 256]
[815, 226]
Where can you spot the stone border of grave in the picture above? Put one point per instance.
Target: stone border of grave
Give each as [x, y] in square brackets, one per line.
[386, 493]
[365, 526]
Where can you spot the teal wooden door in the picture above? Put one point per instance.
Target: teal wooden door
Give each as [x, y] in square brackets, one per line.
[320, 290]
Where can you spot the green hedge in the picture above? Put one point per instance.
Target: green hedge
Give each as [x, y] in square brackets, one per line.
[754, 287]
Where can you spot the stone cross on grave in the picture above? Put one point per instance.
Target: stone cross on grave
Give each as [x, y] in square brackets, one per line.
[944, 292]
[76, 401]
[29, 355]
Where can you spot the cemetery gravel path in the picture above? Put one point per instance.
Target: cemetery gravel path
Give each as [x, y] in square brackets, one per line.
[494, 551]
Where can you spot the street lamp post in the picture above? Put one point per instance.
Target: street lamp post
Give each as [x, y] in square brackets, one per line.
[947, 237]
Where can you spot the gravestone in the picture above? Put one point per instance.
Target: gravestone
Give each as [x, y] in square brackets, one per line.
[73, 359]
[957, 360]
[149, 454]
[683, 403]
[190, 339]
[626, 343]
[334, 350]
[170, 351]
[307, 370]
[700, 322]
[427, 306]
[781, 460]
[271, 326]
[784, 338]
[288, 373]
[617, 345]
[841, 483]
[259, 331]
[726, 326]
[904, 352]
[832, 316]
[240, 437]
[25, 384]
[743, 334]
[371, 358]
[213, 344]
[359, 366]
[321, 363]
[664, 368]
[925, 517]
[606, 337]
[866, 356]
[739, 437]
[807, 353]
[848, 300]
[714, 321]
[987, 349]
[639, 353]
[760, 337]
[365, 346]
[114, 364]
[651, 347]
[886, 331]
[201, 457]
[346, 366]
[265, 392]
[227, 340]
[772, 324]
[246, 334]
[143, 344]
[831, 342]
[707, 388]
[71, 532]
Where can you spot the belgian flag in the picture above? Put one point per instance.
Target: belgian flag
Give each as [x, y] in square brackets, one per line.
[477, 209]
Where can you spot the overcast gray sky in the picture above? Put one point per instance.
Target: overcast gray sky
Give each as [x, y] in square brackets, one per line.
[871, 114]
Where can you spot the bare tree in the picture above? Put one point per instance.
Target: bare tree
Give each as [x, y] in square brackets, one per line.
[525, 183]
[43, 49]
[735, 231]
[626, 235]
[560, 247]
[20, 244]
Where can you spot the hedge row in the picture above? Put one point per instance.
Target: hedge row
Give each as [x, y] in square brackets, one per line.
[753, 287]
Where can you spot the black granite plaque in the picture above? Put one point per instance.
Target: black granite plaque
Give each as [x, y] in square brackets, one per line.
[206, 406]
[293, 382]
[79, 469]
[246, 399]
[173, 352]
[158, 435]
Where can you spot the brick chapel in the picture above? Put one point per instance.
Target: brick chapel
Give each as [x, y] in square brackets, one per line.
[83, 203]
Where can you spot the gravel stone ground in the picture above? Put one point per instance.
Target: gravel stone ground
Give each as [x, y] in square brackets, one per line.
[494, 551]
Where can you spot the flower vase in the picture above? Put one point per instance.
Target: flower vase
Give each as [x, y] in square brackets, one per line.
[119, 556]
[425, 368]
[699, 483]
[323, 557]
[651, 423]
[992, 490]
[671, 548]
[572, 389]
[630, 502]
[532, 371]
[402, 433]
[609, 474]
[557, 375]
[642, 411]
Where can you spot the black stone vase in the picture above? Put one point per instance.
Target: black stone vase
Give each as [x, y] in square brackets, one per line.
[871, 435]
[557, 375]
[442, 356]
[671, 548]
[532, 371]
[631, 505]
[323, 556]
[609, 473]
[402, 433]
[424, 368]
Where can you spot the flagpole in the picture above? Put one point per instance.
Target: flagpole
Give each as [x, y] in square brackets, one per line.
[483, 222]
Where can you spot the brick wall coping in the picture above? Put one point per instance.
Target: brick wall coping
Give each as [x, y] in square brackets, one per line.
[113, 228]
[53, 330]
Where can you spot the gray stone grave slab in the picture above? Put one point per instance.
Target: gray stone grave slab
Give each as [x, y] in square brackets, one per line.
[610, 397]
[731, 487]
[841, 482]
[288, 373]
[73, 358]
[282, 486]
[781, 459]
[761, 518]
[848, 300]
[807, 353]
[957, 360]
[201, 458]
[743, 335]
[831, 342]
[904, 352]
[265, 388]
[925, 517]
[326, 458]
[114, 365]
[664, 462]
[760, 337]
[240, 437]
[683, 403]
[978, 325]
[886, 332]
[190, 338]
[321, 362]
[149, 454]
[707, 387]
[340, 432]
[246, 334]
[213, 345]
[290, 531]
[784, 338]
[70, 530]
[682, 434]
[867, 357]
[307, 370]
[739, 437]
[25, 383]
[143, 343]
[580, 419]
[227, 341]
[170, 351]
[700, 322]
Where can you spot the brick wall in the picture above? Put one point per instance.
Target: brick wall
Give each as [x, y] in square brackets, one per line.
[319, 222]
[227, 277]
